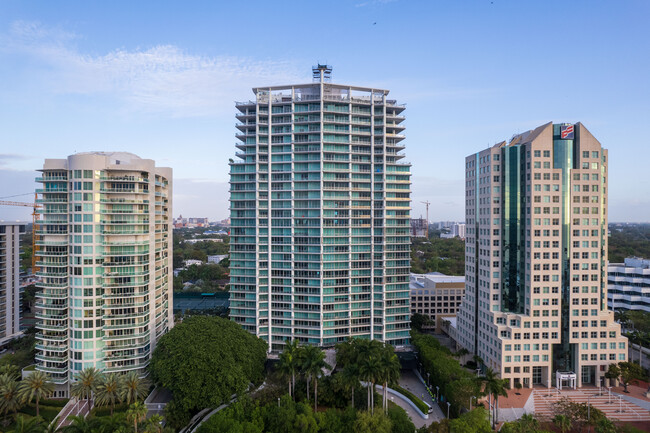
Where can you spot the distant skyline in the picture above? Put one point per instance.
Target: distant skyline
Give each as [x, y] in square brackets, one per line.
[160, 81]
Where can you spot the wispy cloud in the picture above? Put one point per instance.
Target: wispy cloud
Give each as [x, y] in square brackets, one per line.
[374, 2]
[160, 79]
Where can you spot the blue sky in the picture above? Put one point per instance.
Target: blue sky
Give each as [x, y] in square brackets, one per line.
[159, 79]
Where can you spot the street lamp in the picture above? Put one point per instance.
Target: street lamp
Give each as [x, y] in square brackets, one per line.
[278, 401]
[448, 406]
[470, 402]
[428, 381]
[437, 394]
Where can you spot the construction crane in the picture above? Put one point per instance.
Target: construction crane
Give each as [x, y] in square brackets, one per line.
[35, 237]
[427, 205]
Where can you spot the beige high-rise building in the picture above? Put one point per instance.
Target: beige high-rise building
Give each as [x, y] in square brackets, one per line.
[536, 258]
[105, 256]
[9, 280]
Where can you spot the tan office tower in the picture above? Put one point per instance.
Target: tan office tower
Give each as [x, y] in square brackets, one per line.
[105, 255]
[320, 208]
[9, 280]
[536, 259]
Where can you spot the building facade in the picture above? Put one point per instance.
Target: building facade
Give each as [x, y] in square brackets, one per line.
[536, 257]
[104, 252]
[436, 296]
[10, 292]
[629, 285]
[320, 207]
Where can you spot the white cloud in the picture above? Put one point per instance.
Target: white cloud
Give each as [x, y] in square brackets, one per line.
[161, 79]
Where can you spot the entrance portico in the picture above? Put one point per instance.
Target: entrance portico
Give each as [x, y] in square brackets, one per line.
[562, 377]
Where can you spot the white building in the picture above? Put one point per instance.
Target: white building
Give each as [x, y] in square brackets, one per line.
[456, 230]
[320, 208]
[105, 255]
[10, 291]
[436, 295]
[216, 259]
[629, 285]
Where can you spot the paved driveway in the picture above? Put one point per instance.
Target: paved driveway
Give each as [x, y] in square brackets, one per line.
[409, 381]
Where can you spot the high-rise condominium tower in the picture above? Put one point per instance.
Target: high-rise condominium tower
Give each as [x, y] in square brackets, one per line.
[536, 258]
[320, 215]
[105, 254]
[9, 280]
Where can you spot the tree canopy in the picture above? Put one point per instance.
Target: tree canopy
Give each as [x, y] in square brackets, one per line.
[204, 360]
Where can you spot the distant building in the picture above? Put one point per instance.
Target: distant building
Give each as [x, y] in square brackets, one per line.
[181, 222]
[456, 230]
[189, 262]
[10, 280]
[418, 227]
[193, 241]
[216, 259]
[436, 295]
[629, 285]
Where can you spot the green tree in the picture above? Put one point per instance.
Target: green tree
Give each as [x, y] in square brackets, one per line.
[136, 413]
[28, 425]
[400, 420]
[350, 377]
[35, 386]
[290, 362]
[629, 372]
[613, 372]
[79, 424]
[389, 372]
[313, 363]
[203, 361]
[419, 321]
[495, 387]
[372, 423]
[86, 382]
[154, 424]
[133, 387]
[475, 421]
[108, 391]
[9, 399]
[563, 422]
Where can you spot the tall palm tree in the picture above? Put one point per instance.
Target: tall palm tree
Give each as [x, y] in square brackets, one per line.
[9, 400]
[136, 413]
[495, 387]
[389, 372]
[25, 425]
[134, 387]
[289, 362]
[86, 382]
[368, 369]
[37, 385]
[313, 365]
[108, 391]
[350, 376]
[154, 424]
[563, 422]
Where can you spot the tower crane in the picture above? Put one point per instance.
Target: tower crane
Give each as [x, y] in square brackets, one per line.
[35, 237]
[426, 203]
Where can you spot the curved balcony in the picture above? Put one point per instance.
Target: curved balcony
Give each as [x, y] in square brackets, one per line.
[118, 337]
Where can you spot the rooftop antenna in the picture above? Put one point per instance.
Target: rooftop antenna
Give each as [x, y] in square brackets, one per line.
[322, 73]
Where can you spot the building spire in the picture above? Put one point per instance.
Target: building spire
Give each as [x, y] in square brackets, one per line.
[322, 73]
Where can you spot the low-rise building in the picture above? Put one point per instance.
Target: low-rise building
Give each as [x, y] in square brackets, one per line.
[436, 296]
[216, 259]
[629, 285]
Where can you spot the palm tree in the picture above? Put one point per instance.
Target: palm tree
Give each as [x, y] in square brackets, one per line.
[289, 362]
[25, 425]
[563, 422]
[350, 376]
[389, 372]
[154, 424]
[136, 413]
[368, 369]
[313, 365]
[108, 391]
[134, 387]
[36, 385]
[86, 383]
[9, 400]
[79, 424]
[115, 423]
[495, 387]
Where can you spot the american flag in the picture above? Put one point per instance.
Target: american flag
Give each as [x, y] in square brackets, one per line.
[566, 131]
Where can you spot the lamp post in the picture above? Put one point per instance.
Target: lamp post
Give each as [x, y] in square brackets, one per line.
[589, 412]
[448, 406]
[428, 381]
[437, 394]
[470, 402]
[278, 401]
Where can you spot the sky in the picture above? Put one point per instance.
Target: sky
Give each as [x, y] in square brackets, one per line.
[160, 79]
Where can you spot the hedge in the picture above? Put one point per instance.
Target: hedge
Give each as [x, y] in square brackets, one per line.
[424, 408]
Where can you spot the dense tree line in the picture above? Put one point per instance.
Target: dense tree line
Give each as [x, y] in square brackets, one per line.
[203, 361]
[438, 255]
[628, 240]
